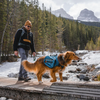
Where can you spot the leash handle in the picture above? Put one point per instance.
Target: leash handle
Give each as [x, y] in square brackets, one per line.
[34, 58]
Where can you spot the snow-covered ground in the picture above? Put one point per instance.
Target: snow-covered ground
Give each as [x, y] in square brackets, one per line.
[13, 67]
[89, 57]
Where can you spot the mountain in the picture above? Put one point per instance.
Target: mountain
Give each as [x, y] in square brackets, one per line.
[87, 16]
[61, 12]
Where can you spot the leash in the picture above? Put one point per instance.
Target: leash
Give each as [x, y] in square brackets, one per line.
[34, 58]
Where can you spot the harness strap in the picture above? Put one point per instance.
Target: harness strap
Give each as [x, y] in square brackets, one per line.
[63, 60]
[23, 31]
[62, 67]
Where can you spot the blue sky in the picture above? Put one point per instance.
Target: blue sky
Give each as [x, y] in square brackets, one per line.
[73, 7]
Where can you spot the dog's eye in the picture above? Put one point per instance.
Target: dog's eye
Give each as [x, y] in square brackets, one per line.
[73, 54]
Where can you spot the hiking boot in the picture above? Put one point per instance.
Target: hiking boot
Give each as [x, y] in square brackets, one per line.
[20, 79]
[27, 79]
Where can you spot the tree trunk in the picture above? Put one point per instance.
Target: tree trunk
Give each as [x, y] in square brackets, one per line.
[4, 32]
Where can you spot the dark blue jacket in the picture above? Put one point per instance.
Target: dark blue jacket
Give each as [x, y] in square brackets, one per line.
[25, 41]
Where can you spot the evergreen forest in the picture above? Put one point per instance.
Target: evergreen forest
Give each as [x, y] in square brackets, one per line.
[49, 32]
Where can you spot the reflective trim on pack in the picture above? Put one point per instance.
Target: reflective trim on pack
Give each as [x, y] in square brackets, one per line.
[19, 44]
[26, 40]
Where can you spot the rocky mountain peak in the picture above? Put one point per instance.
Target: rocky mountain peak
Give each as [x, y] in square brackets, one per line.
[87, 15]
[61, 12]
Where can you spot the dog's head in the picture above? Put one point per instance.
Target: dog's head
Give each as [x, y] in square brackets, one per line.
[66, 58]
[69, 55]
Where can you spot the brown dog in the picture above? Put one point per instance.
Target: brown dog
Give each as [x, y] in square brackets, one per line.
[39, 68]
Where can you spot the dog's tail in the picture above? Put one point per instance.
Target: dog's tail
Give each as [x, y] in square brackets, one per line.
[30, 67]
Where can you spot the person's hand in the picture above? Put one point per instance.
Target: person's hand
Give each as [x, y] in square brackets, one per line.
[16, 53]
[34, 54]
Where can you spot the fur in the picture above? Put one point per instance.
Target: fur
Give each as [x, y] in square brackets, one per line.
[39, 68]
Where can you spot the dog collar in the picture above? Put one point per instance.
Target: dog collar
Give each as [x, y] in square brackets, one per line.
[64, 59]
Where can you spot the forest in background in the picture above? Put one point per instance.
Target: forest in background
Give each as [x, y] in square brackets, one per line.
[49, 32]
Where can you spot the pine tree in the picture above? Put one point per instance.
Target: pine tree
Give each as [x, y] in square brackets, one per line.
[90, 45]
[59, 34]
[98, 43]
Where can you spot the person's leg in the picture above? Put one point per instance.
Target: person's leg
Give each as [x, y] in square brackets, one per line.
[26, 51]
[26, 78]
[22, 71]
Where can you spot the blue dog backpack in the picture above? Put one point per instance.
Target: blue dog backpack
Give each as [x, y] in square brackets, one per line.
[51, 61]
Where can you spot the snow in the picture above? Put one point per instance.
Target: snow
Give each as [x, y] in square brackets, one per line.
[89, 57]
[92, 57]
[81, 51]
[98, 66]
[7, 68]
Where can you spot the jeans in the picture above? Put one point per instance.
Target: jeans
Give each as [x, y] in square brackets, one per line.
[23, 54]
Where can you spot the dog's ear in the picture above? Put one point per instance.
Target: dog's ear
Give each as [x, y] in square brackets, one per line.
[66, 55]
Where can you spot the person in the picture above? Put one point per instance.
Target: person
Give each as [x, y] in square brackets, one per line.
[23, 42]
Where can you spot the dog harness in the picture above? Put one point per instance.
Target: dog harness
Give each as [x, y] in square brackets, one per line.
[52, 61]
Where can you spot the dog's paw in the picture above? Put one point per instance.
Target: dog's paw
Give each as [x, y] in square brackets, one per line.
[52, 80]
[61, 80]
[40, 82]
